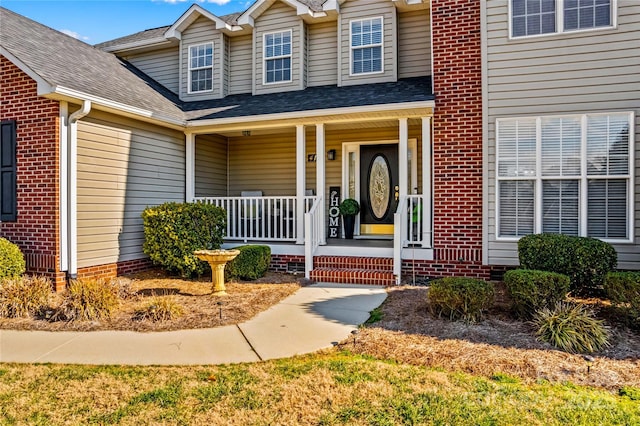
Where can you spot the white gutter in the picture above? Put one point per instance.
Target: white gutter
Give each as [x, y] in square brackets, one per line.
[72, 187]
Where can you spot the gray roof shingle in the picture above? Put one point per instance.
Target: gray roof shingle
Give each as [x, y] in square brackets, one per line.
[150, 34]
[64, 61]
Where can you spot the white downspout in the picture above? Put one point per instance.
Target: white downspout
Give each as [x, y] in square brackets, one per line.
[72, 183]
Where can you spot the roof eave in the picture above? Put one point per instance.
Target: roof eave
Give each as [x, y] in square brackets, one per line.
[137, 45]
[44, 87]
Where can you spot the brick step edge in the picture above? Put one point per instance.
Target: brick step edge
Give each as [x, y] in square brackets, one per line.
[345, 262]
[353, 276]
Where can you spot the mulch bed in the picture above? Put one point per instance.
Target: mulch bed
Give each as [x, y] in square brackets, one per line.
[408, 333]
[243, 301]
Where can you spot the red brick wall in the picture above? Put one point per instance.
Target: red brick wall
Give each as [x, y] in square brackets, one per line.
[457, 138]
[112, 270]
[37, 228]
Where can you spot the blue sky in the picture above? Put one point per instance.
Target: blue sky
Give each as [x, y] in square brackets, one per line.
[95, 21]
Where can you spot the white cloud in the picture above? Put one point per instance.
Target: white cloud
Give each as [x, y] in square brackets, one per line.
[218, 2]
[74, 35]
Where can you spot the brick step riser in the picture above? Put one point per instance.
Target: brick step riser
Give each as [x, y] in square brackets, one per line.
[345, 276]
[365, 263]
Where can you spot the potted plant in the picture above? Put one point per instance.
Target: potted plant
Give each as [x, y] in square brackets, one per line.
[349, 208]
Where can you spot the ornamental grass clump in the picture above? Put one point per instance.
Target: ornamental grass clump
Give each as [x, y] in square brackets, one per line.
[12, 264]
[460, 298]
[24, 297]
[159, 309]
[89, 299]
[571, 328]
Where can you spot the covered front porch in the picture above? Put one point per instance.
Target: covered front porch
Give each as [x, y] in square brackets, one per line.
[280, 178]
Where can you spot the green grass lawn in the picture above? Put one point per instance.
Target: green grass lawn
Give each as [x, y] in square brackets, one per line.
[333, 388]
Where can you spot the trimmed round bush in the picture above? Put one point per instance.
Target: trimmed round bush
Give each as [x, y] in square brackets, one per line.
[623, 289]
[532, 290]
[24, 296]
[586, 261]
[460, 298]
[571, 328]
[251, 264]
[173, 231]
[12, 263]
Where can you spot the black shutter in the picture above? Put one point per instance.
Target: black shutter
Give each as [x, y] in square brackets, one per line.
[8, 187]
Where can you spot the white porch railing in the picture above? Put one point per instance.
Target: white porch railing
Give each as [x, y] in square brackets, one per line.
[260, 218]
[407, 229]
[313, 229]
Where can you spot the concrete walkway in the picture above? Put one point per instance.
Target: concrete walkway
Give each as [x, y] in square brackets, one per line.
[313, 318]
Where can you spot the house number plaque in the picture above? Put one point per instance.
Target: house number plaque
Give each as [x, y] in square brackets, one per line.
[334, 212]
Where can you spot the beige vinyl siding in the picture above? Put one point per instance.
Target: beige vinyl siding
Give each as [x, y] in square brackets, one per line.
[363, 10]
[414, 44]
[569, 73]
[123, 167]
[240, 64]
[161, 65]
[200, 32]
[279, 17]
[211, 166]
[225, 60]
[322, 53]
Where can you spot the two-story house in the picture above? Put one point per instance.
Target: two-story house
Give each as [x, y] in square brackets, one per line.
[561, 90]
[275, 113]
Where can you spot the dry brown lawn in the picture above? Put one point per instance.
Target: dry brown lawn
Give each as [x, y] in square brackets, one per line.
[498, 345]
[200, 309]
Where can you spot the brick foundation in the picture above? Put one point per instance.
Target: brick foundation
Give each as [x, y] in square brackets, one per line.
[36, 230]
[279, 261]
[112, 270]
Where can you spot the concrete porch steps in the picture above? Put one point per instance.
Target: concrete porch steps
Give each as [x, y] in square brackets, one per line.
[353, 270]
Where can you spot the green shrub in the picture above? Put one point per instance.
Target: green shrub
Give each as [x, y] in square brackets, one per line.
[24, 296]
[460, 298]
[252, 262]
[630, 392]
[623, 289]
[571, 328]
[173, 231]
[533, 290]
[160, 309]
[586, 261]
[89, 299]
[11, 260]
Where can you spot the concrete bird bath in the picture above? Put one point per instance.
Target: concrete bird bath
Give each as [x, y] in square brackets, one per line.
[217, 259]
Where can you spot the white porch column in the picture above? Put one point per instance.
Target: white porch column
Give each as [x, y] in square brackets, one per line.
[320, 178]
[403, 156]
[190, 167]
[301, 163]
[427, 190]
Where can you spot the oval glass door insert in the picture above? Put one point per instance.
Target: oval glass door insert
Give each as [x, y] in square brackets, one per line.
[379, 186]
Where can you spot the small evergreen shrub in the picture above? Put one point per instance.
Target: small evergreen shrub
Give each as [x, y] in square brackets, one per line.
[12, 263]
[531, 291]
[173, 231]
[160, 309]
[460, 298]
[623, 289]
[251, 264]
[571, 328]
[586, 261]
[24, 296]
[89, 299]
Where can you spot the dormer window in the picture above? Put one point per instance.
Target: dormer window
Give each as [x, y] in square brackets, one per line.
[366, 46]
[277, 57]
[201, 68]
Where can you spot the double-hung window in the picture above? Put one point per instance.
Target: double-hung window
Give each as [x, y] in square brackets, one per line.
[535, 17]
[565, 174]
[201, 68]
[366, 46]
[277, 57]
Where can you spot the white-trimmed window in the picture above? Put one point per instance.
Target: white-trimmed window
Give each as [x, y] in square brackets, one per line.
[201, 68]
[536, 17]
[277, 57]
[366, 46]
[565, 174]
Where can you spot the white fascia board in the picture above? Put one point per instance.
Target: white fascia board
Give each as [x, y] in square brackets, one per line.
[248, 16]
[44, 87]
[331, 5]
[109, 105]
[189, 17]
[311, 113]
[135, 45]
